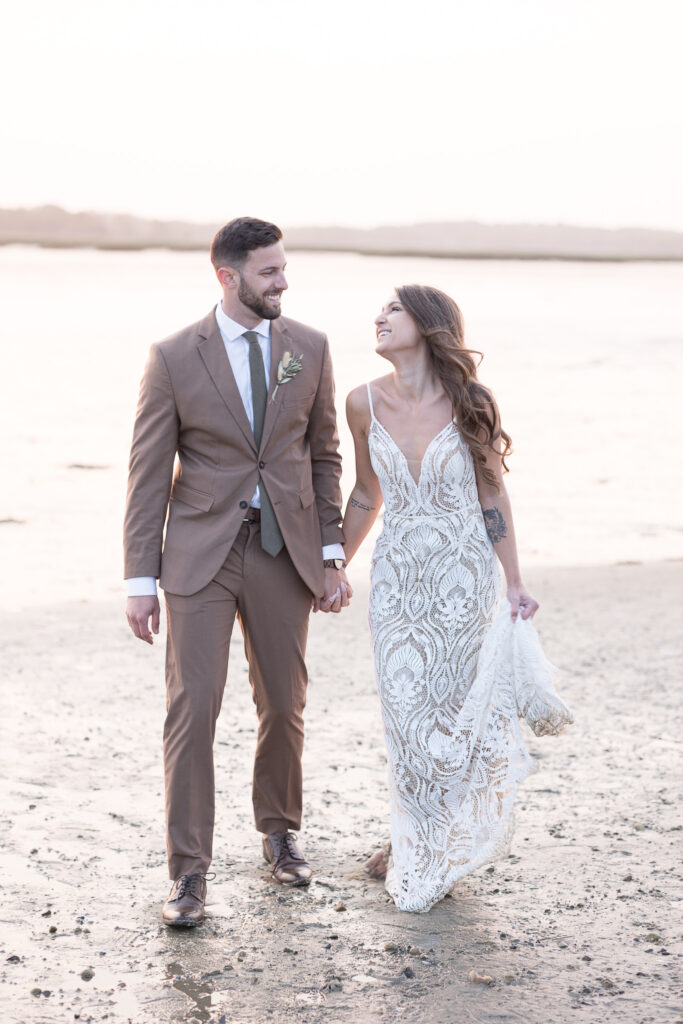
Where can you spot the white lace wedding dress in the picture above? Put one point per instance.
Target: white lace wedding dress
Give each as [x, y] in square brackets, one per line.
[453, 672]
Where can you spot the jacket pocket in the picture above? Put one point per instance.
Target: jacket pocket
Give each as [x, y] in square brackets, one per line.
[303, 499]
[192, 497]
[296, 398]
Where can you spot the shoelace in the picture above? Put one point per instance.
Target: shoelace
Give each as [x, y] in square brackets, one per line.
[288, 848]
[188, 885]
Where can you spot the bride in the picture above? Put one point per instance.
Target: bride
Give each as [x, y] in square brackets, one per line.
[456, 662]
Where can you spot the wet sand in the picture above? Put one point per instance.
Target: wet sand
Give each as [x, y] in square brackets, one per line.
[581, 923]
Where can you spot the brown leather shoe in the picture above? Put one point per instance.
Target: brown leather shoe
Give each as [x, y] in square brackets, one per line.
[184, 907]
[288, 866]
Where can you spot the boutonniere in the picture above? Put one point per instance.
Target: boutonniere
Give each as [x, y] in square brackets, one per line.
[287, 369]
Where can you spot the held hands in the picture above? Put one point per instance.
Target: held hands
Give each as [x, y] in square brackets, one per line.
[138, 612]
[338, 592]
[522, 602]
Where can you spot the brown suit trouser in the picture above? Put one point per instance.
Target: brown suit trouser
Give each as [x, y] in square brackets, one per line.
[273, 605]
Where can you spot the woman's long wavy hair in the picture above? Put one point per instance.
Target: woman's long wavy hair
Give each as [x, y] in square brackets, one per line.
[440, 322]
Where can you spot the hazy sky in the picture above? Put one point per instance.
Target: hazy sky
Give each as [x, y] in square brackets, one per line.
[350, 112]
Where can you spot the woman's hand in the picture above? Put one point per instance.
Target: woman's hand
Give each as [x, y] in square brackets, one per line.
[522, 602]
[338, 592]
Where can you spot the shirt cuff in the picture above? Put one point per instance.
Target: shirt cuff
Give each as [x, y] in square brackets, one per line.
[333, 551]
[141, 586]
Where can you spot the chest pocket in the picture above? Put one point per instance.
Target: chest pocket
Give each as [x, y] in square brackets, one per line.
[297, 398]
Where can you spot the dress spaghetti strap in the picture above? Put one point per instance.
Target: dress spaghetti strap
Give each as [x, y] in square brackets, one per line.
[372, 410]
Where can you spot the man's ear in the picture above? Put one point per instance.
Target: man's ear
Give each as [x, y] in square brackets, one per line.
[228, 277]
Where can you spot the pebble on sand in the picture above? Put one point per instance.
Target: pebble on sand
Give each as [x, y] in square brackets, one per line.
[480, 979]
[87, 974]
[340, 906]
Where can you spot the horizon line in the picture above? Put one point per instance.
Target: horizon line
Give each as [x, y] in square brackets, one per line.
[337, 226]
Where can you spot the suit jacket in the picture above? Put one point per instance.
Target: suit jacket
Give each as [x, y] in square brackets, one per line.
[190, 406]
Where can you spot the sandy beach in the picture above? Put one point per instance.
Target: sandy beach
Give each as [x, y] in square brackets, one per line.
[580, 923]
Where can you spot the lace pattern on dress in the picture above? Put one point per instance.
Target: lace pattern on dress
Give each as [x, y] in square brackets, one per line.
[451, 671]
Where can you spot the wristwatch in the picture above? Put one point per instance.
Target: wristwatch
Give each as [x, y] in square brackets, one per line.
[334, 563]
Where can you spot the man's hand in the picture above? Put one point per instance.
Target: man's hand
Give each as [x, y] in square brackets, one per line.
[338, 592]
[138, 611]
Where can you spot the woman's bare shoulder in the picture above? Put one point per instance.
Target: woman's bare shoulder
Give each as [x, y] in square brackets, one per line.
[358, 412]
[357, 399]
[378, 385]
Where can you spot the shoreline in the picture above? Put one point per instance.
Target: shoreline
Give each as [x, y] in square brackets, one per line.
[103, 245]
[580, 921]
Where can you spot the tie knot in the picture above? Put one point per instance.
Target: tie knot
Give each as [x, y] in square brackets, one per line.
[252, 337]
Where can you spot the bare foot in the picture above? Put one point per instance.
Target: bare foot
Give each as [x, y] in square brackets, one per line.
[376, 867]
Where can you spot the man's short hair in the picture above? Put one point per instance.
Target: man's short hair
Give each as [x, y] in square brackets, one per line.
[233, 243]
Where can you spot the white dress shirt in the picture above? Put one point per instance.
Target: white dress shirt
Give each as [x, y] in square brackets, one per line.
[237, 349]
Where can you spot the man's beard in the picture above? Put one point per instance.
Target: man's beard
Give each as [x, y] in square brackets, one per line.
[256, 303]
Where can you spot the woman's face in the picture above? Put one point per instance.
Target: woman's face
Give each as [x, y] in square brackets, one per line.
[396, 329]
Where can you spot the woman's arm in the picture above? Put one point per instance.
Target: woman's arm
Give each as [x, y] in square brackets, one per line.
[497, 511]
[365, 499]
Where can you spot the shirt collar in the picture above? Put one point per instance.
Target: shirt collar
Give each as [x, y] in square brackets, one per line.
[231, 330]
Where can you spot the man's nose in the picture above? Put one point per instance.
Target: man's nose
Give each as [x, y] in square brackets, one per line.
[282, 282]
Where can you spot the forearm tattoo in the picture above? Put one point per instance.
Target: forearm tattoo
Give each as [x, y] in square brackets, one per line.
[496, 527]
[361, 506]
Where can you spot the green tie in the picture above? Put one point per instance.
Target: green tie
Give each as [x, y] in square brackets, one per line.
[271, 538]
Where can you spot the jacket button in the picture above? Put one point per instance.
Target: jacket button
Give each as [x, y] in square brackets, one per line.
[243, 504]
[261, 465]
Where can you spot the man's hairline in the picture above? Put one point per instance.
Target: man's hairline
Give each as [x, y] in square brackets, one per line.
[239, 265]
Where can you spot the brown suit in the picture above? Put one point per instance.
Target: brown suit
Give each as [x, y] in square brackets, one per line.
[212, 566]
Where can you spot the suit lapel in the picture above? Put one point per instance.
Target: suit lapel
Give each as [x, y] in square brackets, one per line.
[212, 351]
[279, 339]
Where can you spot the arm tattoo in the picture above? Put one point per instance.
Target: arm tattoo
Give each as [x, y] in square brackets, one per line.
[496, 527]
[361, 506]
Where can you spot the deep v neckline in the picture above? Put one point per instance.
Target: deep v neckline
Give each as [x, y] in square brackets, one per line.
[400, 451]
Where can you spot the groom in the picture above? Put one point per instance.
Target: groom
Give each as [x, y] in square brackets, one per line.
[245, 400]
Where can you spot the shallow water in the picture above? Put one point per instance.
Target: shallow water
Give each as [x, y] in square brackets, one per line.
[584, 360]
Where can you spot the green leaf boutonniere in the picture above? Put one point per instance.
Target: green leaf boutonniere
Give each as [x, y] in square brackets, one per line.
[288, 367]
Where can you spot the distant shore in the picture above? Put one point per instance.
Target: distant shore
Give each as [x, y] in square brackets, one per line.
[107, 245]
[55, 228]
